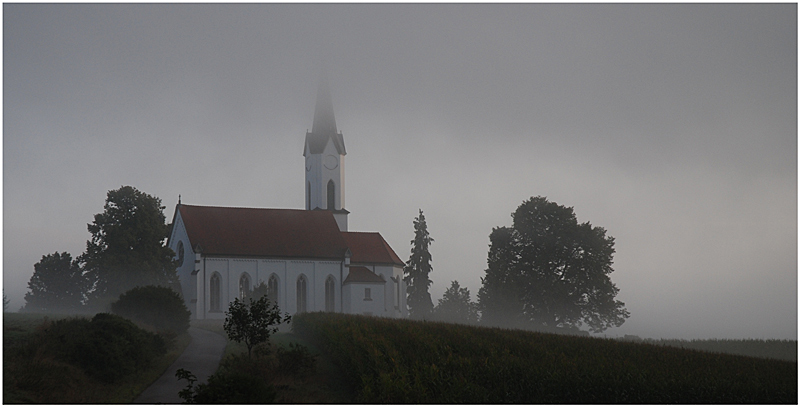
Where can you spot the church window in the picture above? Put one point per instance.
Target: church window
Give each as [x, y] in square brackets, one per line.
[367, 294]
[272, 288]
[331, 195]
[301, 294]
[330, 293]
[244, 286]
[215, 292]
[308, 195]
[180, 253]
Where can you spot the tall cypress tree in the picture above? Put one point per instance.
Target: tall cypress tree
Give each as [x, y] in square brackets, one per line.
[417, 270]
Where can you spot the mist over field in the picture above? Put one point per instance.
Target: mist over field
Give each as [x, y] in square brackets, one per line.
[672, 126]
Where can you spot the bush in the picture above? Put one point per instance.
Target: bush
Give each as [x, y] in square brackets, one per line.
[160, 308]
[296, 360]
[240, 379]
[106, 348]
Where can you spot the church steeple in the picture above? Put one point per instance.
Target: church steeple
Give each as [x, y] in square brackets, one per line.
[324, 126]
[324, 152]
[324, 121]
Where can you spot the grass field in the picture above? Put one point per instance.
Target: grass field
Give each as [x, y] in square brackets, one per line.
[399, 361]
[41, 379]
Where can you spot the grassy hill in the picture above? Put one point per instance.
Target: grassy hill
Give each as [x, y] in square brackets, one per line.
[399, 361]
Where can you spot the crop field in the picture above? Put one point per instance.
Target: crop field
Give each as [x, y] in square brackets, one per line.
[400, 361]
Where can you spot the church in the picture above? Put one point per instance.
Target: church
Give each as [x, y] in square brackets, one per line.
[308, 258]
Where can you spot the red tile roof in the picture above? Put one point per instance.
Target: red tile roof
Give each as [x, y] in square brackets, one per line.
[263, 232]
[370, 248]
[359, 274]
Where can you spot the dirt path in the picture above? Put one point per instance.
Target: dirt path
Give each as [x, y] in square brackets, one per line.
[201, 357]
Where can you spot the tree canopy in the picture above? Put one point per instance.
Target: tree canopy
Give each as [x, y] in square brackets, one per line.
[551, 271]
[417, 271]
[57, 285]
[128, 246]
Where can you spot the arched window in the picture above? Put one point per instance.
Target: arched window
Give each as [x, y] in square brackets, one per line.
[244, 286]
[214, 293]
[308, 195]
[330, 294]
[272, 288]
[301, 294]
[331, 195]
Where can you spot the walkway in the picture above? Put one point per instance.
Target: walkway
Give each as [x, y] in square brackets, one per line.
[201, 357]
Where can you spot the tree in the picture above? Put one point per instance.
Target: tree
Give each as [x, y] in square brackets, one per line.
[549, 270]
[57, 285]
[254, 322]
[456, 306]
[5, 301]
[128, 246]
[417, 270]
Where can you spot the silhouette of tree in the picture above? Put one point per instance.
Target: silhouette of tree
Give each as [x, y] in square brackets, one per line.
[57, 285]
[417, 269]
[551, 271]
[128, 246]
[456, 306]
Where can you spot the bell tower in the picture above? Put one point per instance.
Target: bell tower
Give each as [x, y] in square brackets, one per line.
[324, 153]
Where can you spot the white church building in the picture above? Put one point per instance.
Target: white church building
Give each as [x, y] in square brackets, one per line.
[307, 258]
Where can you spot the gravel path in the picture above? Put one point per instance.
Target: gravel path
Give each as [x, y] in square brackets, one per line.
[201, 357]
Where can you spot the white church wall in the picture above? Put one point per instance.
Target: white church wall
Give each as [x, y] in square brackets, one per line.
[394, 306]
[359, 303]
[184, 271]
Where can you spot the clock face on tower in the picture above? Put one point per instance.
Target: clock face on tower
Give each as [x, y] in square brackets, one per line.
[331, 162]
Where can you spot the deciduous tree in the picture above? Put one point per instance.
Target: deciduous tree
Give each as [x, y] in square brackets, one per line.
[253, 322]
[128, 246]
[417, 271]
[57, 285]
[549, 270]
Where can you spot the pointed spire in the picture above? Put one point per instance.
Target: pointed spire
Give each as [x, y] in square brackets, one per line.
[324, 127]
[324, 121]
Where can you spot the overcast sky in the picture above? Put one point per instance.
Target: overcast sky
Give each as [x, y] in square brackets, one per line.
[672, 126]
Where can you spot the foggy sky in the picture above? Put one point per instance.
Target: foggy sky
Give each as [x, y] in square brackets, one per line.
[672, 126]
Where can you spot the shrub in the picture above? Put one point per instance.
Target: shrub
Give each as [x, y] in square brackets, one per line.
[239, 380]
[295, 360]
[106, 348]
[158, 307]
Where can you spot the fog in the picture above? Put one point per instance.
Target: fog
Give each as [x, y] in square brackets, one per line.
[674, 127]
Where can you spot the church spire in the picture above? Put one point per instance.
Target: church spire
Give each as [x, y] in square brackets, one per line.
[324, 121]
[324, 126]
[324, 152]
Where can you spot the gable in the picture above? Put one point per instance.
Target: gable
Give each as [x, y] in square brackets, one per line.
[359, 274]
[370, 248]
[261, 232]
